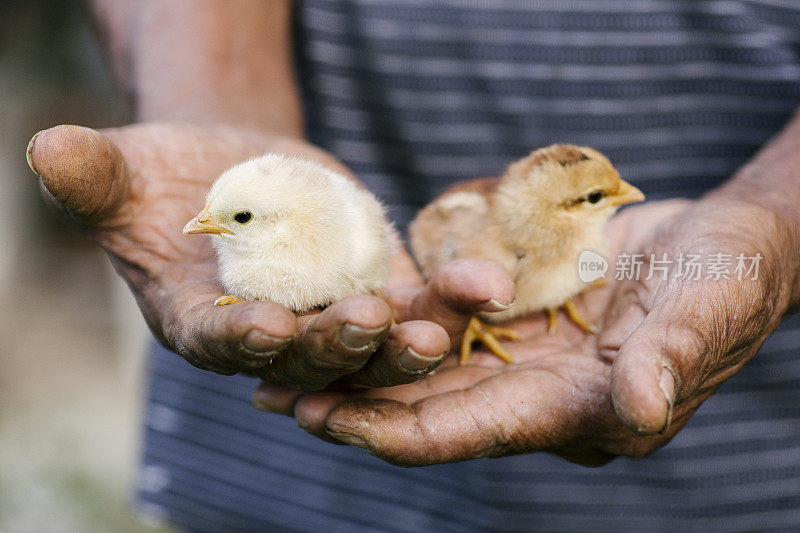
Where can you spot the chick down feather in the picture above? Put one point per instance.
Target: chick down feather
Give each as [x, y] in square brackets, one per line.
[534, 221]
[297, 233]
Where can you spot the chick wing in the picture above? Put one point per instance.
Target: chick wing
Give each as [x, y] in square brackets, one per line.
[458, 225]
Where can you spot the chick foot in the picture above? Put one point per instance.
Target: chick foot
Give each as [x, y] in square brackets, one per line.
[552, 320]
[575, 315]
[488, 335]
[228, 300]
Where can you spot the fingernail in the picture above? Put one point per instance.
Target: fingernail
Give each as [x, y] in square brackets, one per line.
[493, 305]
[667, 384]
[411, 361]
[357, 338]
[258, 341]
[352, 440]
[304, 424]
[29, 152]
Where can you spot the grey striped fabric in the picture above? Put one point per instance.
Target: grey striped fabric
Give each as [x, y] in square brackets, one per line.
[416, 95]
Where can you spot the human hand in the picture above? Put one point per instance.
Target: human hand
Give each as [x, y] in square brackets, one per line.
[663, 348]
[132, 189]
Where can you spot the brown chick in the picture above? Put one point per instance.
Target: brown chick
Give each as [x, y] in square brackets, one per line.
[534, 221]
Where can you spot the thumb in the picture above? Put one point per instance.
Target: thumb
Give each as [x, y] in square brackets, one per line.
[81, 170]
[659, 361]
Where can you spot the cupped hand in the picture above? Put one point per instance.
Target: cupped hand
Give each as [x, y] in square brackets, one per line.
[132, 190]
[666, 342]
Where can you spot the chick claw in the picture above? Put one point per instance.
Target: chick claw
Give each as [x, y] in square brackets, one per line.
[228, 300]
[477, 330]
[575, 315]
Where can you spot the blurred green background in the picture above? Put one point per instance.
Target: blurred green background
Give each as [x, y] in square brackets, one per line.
[71, 339]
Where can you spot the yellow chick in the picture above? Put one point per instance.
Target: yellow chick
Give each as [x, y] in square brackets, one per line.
[534, 221]
[294, 232]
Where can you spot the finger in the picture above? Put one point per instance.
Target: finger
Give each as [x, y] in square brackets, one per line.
[226, 339]
[312, 409]
[275, 399]
[332, 344]
[513, 412]
[460, 289]
[627, 311]
[81, 171]
[403, 271]
[411, 350]
[281, 400]
[695, 335]
[659, 358]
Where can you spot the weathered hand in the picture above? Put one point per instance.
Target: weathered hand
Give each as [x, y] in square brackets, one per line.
[664, 347]
[132, 189]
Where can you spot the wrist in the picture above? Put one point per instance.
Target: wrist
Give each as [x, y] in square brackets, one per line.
[756, 227]
[259, 120]
[770, 178]
[254, 141]
[206, 64]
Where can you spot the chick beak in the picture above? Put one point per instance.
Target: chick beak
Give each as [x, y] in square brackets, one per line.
[626, 194]
[202, 224]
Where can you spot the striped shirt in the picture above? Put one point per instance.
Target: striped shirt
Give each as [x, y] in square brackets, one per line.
[417, 95]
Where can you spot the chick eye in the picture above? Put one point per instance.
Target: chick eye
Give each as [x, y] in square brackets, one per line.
[243, 217]
[595, 196]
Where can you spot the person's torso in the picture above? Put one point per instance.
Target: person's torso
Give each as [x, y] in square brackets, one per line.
[417, 95]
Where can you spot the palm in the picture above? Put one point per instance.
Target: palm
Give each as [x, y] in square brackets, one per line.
[132, 189]
[170, 169]
[566, 375]
[664, 341]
